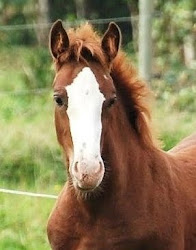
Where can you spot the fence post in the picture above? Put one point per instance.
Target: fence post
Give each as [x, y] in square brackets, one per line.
[145, 38]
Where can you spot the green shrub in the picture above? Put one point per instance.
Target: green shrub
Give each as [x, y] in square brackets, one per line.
[186, 100]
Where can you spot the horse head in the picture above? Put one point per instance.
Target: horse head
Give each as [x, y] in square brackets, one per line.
[85, 95]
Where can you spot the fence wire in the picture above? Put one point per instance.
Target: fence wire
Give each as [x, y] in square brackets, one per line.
[92, 21]
[37, 91]
[69, 23]
[38, 195]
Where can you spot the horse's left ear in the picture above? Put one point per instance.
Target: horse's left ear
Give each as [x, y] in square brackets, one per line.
[58, 39]
[111, 41]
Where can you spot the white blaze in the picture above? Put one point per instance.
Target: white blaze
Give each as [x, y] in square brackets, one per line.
[85, 103]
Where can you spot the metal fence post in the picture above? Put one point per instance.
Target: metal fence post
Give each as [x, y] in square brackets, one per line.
[145, 38]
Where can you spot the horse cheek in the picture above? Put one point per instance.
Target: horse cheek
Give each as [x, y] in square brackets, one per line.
[64, 135]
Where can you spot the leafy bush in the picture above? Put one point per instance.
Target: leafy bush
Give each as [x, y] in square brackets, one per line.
[186, 100]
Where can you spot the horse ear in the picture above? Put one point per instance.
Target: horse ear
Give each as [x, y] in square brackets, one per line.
[111, 41]
[58, 39]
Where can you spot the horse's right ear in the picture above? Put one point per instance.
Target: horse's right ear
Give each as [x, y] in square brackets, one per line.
[58, 39]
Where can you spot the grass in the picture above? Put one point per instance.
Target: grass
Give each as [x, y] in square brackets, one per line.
[172, 125]
[23, 222]
[29, 151]
[30, 157]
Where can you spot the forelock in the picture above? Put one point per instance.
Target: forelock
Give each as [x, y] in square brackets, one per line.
[85, 46]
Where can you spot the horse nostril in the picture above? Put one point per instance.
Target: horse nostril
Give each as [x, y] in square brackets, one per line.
[76, 166]
[101, 164]
[99, 170]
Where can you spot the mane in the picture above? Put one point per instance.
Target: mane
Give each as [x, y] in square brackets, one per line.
[135, 96]
[85, 45]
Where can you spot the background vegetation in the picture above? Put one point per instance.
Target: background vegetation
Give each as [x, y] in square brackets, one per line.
[30, 158]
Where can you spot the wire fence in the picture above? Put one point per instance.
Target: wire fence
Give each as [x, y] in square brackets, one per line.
[74, 23]
[37, 195]
[156, 14]
[37, 91]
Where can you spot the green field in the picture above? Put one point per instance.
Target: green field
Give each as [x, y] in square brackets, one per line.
[30, 157]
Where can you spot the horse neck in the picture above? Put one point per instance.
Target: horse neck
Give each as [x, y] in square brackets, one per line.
[125, 156]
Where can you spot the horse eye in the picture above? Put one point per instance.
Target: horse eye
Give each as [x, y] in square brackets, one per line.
[111, 101]
[58, 100]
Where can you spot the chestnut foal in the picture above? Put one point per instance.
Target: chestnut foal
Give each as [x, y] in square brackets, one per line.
[123, 192]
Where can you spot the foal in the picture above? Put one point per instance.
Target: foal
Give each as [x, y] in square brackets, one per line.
[123, 192]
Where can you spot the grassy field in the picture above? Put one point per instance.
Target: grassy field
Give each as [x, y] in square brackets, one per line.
[23, 222]
[30, 157]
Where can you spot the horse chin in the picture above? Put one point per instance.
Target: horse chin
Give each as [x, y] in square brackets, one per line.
[87, 193]
[85, 189]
